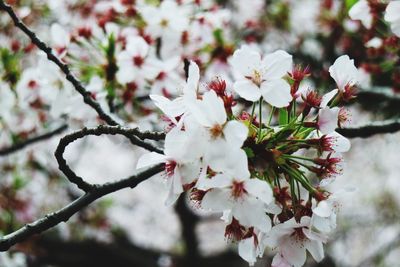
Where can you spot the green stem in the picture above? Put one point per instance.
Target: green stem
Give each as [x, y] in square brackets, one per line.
[260, 115]
[271, 115]
[296, 157]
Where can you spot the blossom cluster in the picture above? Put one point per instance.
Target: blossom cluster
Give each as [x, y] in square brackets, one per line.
[267, 177]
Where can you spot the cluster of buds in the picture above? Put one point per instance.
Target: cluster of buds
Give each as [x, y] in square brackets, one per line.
[267, 177]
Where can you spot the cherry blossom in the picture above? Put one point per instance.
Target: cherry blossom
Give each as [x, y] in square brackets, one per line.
[262, 77]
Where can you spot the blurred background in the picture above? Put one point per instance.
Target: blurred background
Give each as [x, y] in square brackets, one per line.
[133, 227]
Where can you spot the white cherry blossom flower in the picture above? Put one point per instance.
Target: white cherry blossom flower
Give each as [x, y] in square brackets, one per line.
[132, 62]
[182, 161]
[344, 72]
[262, 77]
[246, 199]
[292, 239]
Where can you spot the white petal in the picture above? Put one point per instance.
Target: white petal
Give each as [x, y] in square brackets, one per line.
[247, 90]
[247, 250]
[209, 111]
[194, 75]
[294, 252]
[361, 11]
[344, 72]
[126, 74]
[170, 108]
[328, 119]
[218, 181]
[259, 189]
[245, 61]
[341, 144]
[323, 209]
[59, 36]
[217, 200]
[279, 261]
[316, 250]
[235, 133]
[276, 92]
[250, 212]
[277, 64]
[150, 159]
[175, 189]
[328, 97]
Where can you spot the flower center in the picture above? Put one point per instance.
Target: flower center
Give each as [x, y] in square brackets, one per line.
[164, 23]
[238, 189]
[138, 61]
[257, 78]
[216, 131]
[170, 168]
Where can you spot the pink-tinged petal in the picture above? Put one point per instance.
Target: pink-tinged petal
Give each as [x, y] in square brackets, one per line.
[245, 61]
[150, 159]
[328, 97]
[259, 189]
[217, 200]
[248, 90]
[235, 133]
[328, 119]
[247, 250]
[279, 261]
[361, 11]
[277, 64]
[293, 252]
[276, 93]
[316, 250]
[323, 209]
[344, 72]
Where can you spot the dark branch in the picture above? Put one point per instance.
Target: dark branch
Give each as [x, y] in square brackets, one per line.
[383, 127]
[87, 98]
[63, 215]
[100, 130]
[18, 146]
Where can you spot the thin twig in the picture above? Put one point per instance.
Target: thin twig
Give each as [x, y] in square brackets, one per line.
[18, 146]
[369, 130]
[100, 130]
[87, 98]
[63, 215]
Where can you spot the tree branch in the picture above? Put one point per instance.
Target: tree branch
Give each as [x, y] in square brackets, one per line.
[100, 130]
[63, 215]
[87, 98]
[18, 146]
[382, 127]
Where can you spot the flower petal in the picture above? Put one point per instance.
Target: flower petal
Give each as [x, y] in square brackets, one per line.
[276, 92]
[247, 90]
[277, 64]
